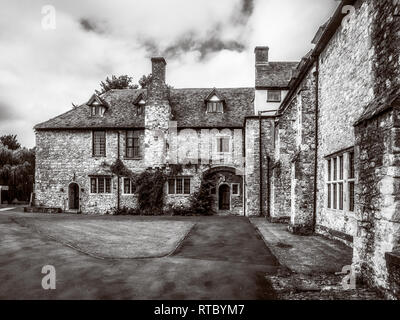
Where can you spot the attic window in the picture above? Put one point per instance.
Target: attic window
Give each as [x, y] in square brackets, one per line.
[274, 96]
[97, 110]
[215, 105]
[140, 107]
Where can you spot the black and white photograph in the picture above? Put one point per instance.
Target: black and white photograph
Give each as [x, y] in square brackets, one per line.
[211, 152]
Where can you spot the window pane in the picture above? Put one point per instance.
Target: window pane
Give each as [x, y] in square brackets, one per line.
[351, 196]
[225, 145]
[334, 196]
[340, 196]
[341, 167]
[329, 196]
[351, 165]
[93, 188]
[235, 189]
[179, 187]
[135, 147]
[100, 182]
[220, 107]
[99, 143]
[171, 186]
[274, 95]
[187, 186]
[127, 185]
[334, 169]
[329, 170]
[108, 185]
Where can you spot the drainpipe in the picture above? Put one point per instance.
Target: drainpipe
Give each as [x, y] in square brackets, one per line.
[268, 213]
[118, 179]
[261, 171]
[316, 74]
[244, 180]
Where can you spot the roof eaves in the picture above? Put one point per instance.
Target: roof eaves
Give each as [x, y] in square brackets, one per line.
[330, 29]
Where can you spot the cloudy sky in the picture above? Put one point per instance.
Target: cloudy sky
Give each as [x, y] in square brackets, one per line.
[207, 43]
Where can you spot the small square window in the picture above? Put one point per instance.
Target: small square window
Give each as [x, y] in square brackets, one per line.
[235, 189]
[223, 144]
[179, 185]
[274, 96]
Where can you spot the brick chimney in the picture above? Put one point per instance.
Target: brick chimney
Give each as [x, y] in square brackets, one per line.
[157, 91]
[261, 55]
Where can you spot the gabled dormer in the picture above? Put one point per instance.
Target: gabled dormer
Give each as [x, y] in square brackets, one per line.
[215, 103]
[139, 103]
[97, 106]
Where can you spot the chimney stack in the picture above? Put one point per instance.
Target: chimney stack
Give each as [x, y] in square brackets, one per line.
[157, 90]
[158, 68]
[261, 55]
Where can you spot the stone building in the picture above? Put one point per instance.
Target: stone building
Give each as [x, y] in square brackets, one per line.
[335, 169]
[315, 144]
[212, 131]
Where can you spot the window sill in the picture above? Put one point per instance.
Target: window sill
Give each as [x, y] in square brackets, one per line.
[347, 212]
[180, 195]
[94, 156]
[100, 194]
[135, 158]
[273, 101]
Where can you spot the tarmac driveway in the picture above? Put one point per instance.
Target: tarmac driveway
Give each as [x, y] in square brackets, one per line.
[221, 258]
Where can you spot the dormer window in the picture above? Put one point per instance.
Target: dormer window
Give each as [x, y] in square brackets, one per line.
[215, 107]
[98, 110]
[97, 107]
[140, 103]
[140, 107]
[214, 102]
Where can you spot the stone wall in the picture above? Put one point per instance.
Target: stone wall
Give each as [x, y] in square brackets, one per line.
[386, 42]
[252, 169]
[346, 85]
[378, 195]
[285, 143]
[65, 156]
[303, 160]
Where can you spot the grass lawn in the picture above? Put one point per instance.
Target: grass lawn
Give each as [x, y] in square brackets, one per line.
[112, 238]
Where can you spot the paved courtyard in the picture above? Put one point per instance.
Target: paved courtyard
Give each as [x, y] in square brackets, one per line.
[221, 258]
[101, 257]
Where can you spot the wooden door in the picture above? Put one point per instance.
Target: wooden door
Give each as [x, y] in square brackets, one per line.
[224, 197]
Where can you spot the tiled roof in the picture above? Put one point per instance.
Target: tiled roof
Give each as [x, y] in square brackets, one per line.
[120, 113]
[274, 74]
[380, 104]
[188, 109]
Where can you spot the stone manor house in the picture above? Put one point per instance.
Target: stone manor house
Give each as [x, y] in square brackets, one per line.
[315, 144]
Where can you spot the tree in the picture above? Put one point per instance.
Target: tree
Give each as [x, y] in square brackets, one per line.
[17, 169]
[121, 82]
[10, 141]
[144, 81]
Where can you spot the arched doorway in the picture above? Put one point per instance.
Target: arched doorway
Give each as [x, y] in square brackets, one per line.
[73, 196]
[224, 197]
